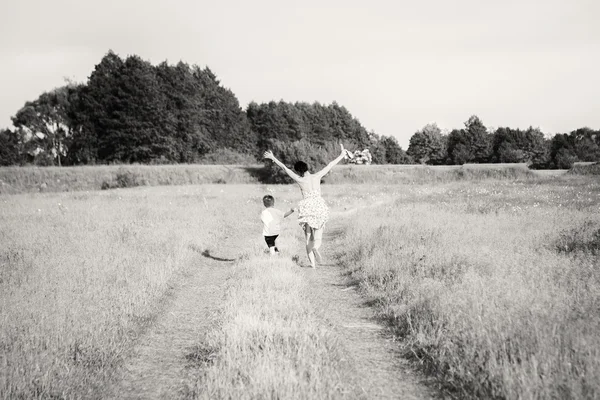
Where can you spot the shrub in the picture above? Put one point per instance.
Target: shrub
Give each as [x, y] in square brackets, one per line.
[565, 158]
[107, 185]
[127, 178]
[123, 179]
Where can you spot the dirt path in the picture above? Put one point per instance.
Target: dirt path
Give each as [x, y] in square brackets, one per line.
[381, 372]
[157, 367]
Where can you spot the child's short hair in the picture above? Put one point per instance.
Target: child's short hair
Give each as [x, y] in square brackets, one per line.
[268, 200]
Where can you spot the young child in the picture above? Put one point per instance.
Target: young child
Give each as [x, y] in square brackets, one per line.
[271, 218]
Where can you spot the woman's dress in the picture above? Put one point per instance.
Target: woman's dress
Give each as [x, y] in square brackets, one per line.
[313, 210]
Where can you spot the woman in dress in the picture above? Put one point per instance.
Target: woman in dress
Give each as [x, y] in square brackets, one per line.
[313, 212]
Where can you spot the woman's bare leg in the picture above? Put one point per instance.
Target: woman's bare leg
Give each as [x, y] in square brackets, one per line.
[308, 232]
[317, 240]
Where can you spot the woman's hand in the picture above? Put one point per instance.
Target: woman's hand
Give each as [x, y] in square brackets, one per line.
[269, 155]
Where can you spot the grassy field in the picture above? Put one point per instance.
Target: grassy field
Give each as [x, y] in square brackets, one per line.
[493, 286]
[67, 179]
[492, 283]
[85, 178]
[83, 274]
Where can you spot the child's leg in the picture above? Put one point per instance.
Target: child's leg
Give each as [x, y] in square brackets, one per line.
[308, 232]
[271, 243]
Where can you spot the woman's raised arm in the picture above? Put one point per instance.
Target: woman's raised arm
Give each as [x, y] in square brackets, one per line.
[269, 155]
[328, 167]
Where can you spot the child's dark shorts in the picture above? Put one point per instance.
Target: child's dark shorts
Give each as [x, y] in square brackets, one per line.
[271, 240]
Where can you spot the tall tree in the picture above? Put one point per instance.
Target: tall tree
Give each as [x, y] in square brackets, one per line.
[377, 149]
[478, 139]
[586, 144]
[99, 104]
[47, 124]
[129, 109]
[10, 148]
[227, 123]
[459, 150]
[428, 145]
[518, 146]
[393, 152]
[471, 144]
[562, 151]
[185, 120]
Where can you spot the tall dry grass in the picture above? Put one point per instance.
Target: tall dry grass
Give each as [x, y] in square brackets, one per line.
[60, 179]
[494, 286]
[423, 174]
[585, 169]
[83, 274]
[269, 341]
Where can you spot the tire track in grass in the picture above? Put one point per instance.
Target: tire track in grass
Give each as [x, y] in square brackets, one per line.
[381, 372]
[157, 365]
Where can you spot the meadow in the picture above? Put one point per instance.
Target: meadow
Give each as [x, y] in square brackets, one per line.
[490, 280]
[31, 179]
[81, 178]
[493, 287]
[82, 275]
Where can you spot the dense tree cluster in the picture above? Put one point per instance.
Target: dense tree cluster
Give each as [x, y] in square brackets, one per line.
[131, 111]
[476, 144]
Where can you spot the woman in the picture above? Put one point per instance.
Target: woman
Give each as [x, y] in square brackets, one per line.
[312, 210]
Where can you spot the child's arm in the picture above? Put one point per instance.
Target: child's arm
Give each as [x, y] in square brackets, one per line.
[288, 213]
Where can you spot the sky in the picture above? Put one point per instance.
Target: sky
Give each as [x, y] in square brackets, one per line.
[395, 65]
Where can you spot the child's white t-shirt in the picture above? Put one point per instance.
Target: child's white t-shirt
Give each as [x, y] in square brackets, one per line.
[271, 219]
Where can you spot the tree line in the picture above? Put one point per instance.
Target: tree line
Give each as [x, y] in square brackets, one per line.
[476, 144]
[130, 111]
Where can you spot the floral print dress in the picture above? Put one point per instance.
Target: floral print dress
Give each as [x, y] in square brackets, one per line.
[313, 210]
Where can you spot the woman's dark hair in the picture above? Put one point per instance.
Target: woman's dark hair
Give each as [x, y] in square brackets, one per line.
[301, 167]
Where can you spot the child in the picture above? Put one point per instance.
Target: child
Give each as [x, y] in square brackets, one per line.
[271, 218]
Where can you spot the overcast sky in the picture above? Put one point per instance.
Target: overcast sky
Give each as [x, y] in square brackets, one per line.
[396, 65]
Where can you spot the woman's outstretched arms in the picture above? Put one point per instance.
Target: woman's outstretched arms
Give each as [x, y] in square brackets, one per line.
[328, 167]
[269, 155]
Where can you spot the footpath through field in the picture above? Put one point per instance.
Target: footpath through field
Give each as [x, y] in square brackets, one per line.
[157, 367]
[381, 372]
[159, 363]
